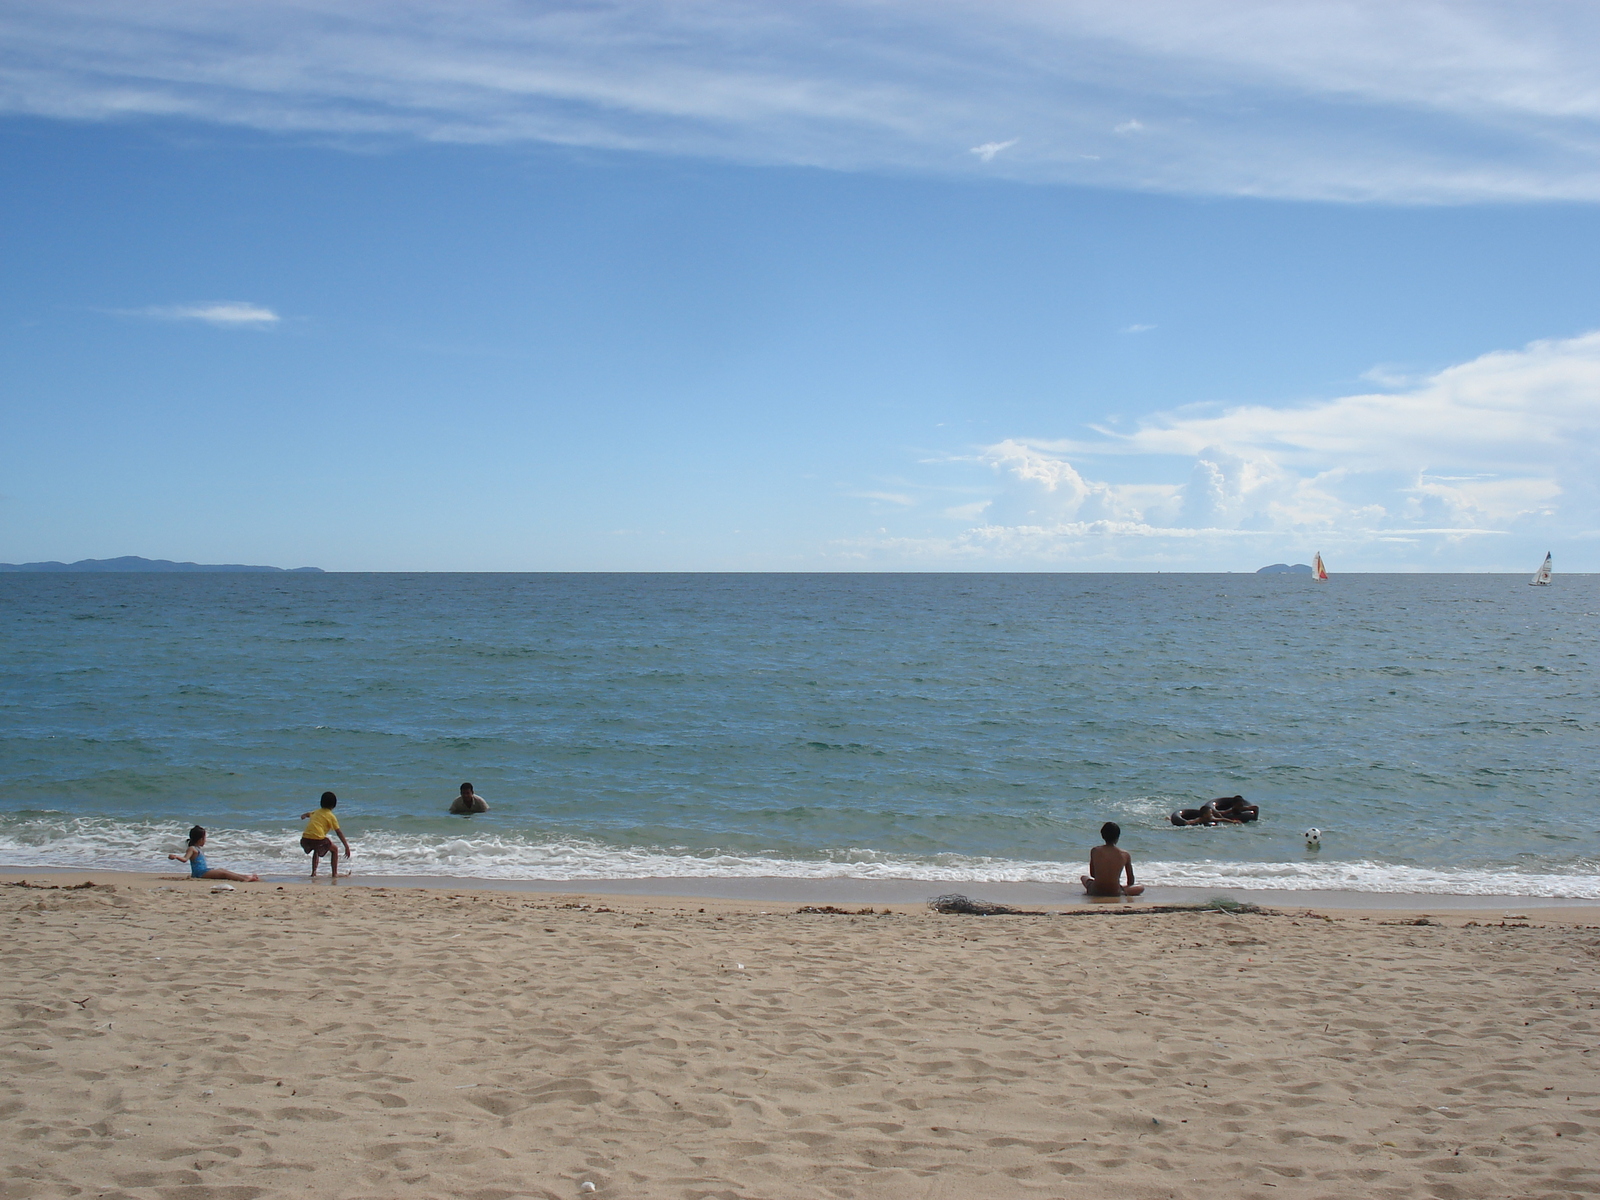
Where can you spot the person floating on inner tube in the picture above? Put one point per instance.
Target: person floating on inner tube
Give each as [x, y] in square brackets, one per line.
[1233, 809]
[1226, 810]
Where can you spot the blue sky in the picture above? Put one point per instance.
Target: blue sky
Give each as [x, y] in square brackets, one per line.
[758, 286]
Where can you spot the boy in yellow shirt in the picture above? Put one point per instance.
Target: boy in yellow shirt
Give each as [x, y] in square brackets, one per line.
[315, 840]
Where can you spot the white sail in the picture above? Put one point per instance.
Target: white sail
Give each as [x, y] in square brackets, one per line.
[1318, 571]
[1541, 577]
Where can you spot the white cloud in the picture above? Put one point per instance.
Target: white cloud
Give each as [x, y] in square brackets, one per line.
[1480, 465]
[899, 498]
[224, 314]
[1137, 328]
[988, 150]
[967, 513]
[1398, 100]
[1507, 411]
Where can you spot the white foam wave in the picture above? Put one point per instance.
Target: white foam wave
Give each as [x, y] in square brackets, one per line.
[1366, 876]
[83, 842]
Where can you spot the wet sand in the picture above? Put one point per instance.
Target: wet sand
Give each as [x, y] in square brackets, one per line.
[165, 1041]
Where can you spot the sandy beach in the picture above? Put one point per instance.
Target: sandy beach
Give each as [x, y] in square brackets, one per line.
[165, 1041]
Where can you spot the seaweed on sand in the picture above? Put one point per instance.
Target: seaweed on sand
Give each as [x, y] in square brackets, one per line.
[60, 887]
[955, 902]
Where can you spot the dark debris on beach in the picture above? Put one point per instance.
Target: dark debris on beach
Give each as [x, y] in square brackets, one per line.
[956, 903]
[60, 887]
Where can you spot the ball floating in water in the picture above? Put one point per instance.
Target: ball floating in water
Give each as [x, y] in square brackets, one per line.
[1313, 838]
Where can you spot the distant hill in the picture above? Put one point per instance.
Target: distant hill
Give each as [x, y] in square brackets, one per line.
[133, 563]
[1285, 569]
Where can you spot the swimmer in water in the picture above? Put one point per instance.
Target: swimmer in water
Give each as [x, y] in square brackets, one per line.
[468, 802]
[1234, 810]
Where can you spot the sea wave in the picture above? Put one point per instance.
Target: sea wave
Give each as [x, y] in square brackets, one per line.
[60, 841]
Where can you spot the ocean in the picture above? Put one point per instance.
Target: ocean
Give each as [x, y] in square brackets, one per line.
[959, 728]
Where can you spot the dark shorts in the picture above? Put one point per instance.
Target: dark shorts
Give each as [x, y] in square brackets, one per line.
[309, 845]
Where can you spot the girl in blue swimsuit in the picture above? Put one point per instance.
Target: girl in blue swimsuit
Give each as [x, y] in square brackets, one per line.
[195, 856]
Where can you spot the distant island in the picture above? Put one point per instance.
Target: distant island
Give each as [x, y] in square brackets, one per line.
[1285, 569]
[132, 562]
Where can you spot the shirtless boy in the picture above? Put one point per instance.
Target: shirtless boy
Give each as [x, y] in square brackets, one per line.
[1106, 865]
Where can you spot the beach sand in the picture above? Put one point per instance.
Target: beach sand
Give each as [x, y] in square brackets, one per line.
[163, 1041]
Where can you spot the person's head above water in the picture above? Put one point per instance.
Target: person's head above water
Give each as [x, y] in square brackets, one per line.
[329, 800]
[1111, 831]
[197, 835]
[466, 789]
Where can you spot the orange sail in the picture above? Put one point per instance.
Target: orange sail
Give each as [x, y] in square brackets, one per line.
[1318, 571]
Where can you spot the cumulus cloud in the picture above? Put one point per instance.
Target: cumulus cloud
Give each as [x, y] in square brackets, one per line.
[1507, 411]
[1484, 464]
[1399, 100]
[224, 314]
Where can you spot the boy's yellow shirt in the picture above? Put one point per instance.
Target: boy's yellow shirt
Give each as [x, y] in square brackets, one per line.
[321, 822]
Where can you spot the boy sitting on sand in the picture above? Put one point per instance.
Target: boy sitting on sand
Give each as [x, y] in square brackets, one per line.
[1106, 865]
[315, 840]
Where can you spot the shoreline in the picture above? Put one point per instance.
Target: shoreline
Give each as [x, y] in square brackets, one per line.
[164, 1040]
[747, 893]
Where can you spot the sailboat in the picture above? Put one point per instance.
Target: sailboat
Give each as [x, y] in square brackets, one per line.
[1541, 577]
[1318, 571]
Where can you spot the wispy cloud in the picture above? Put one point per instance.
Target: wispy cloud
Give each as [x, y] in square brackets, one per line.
[899, 498]
[1387, 375]
[1490, 458]
[988, 150]
[224, 314]
[1137, 328]
[1395, 100]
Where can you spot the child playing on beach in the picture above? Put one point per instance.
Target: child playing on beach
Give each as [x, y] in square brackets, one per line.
[195, 856]
[314, 840]
[1106, 865]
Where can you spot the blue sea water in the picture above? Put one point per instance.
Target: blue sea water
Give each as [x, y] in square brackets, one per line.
[1440, 729]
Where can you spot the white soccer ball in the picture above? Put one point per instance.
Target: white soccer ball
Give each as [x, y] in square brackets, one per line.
[1313, 837]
